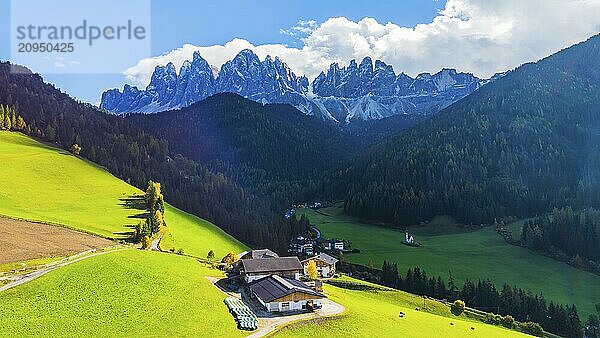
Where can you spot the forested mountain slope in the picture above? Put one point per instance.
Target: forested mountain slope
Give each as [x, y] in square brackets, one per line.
[519, 146]
[273, 140]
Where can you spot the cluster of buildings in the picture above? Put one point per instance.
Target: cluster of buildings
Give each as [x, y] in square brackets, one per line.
[276, 282]
[291, 212]
[304, 246]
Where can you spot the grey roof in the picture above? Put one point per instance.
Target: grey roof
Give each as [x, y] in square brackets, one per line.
[261, 253]
[323, 257]
[274, 287]
[271, 264]
[264, 253]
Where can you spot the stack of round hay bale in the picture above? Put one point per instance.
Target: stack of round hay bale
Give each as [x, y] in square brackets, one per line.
[245, 318]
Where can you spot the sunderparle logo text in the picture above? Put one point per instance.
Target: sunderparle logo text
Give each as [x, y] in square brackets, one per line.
[85, 31]
[74, 36]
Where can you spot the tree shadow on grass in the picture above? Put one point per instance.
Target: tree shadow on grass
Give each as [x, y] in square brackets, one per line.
[132, 202]
[142, 215]
[127, 235]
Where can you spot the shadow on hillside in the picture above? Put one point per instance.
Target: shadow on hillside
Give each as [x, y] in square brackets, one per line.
[127, 235]
[142, 215]
[133, 202]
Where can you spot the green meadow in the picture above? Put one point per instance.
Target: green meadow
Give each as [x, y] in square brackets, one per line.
[131, 293]
[467, 254]
[376, 313]
[46, 184]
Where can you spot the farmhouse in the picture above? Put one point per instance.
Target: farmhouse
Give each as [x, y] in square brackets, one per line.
[325, 264]
[280, 294]
[254, 254]
[253, 269]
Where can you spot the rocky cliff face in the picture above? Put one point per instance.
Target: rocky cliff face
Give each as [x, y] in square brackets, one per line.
[362, 91]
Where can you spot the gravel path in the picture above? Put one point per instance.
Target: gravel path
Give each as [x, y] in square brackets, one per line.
[24, 278]
[269, 325]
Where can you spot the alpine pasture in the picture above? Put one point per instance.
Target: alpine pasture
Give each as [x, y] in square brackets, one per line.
[467, 254]
[51, 185]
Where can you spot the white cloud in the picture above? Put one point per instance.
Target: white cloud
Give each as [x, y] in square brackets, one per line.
[301, 30]
[478, 36]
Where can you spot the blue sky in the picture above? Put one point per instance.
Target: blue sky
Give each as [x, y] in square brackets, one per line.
[175, 23]
[414, 36]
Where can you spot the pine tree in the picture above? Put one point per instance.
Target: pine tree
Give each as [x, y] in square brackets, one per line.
[2, 115]
[20, 124]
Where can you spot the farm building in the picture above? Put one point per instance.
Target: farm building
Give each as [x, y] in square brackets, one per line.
[254, 254]
[325, 264]
[253, 269]
[280, 294]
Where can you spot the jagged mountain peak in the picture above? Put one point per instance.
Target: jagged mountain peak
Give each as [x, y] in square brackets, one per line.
[360, 91]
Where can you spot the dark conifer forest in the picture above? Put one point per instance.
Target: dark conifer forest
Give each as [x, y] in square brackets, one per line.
[519, 146]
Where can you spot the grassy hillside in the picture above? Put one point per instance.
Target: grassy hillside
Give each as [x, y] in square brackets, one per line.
[475, 254]
[196, 236]
[127, 293]
[370, 313]
[46, 184]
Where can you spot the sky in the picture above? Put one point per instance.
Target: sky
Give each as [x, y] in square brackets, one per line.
[478, 36]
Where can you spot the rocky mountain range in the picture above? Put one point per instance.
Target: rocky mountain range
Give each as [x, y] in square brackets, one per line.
[364, 91]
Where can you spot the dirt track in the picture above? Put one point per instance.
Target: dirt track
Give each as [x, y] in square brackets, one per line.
[20, 241]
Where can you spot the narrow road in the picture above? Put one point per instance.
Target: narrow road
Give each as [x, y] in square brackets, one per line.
[269, 325]
[156, 242]
[22, 279]
[317, 231]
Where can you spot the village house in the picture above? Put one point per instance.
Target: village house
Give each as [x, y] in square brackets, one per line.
[325, 264]
[254, 254]
[333, 245]
[301, 246]
[280, 294]
[253, 269]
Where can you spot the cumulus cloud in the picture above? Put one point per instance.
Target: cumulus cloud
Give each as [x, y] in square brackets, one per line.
[478, 36]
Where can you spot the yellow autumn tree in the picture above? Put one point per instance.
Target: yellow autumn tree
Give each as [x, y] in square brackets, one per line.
[230, 258]
[311, 270]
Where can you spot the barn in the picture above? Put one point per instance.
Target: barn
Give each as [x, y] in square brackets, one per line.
[280, 294]
[253, 269]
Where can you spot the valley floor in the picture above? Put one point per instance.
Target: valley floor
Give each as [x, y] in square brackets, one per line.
[465, 253]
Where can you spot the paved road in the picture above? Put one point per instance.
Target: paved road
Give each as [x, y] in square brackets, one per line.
[317, 231]
[22, 279]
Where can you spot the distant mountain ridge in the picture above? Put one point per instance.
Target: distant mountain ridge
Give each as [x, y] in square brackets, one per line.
[358, 92]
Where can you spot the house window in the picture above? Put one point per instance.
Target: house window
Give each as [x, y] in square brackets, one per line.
[285, 306]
